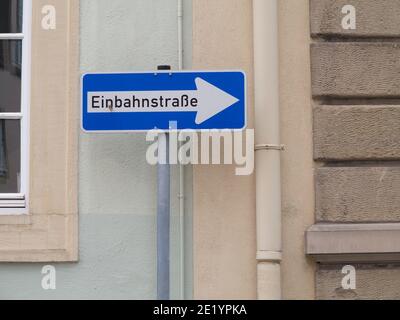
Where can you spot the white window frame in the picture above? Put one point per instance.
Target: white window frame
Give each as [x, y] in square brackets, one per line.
[18, 203]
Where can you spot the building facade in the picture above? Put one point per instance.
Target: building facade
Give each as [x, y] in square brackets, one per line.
[317, 219]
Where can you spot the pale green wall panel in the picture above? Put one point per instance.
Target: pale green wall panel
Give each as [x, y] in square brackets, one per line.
[117, 188]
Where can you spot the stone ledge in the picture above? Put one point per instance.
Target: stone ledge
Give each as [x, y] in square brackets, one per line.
[343, 243]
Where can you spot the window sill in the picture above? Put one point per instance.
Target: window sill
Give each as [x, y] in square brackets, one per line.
[45, 255]
[39, 238]
[15, 219]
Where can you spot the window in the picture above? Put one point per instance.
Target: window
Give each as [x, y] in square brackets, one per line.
[49, 69]
[15, 25]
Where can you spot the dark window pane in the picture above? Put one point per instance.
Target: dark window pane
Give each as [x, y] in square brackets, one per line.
[10, 75]
[10, 16]
[10, 156]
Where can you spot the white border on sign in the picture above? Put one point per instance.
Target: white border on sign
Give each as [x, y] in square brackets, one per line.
[155, 72]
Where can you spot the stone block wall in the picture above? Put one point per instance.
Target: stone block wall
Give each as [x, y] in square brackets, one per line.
[355, 68]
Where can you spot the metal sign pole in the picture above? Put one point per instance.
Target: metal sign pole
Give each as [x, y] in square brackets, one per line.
[163, 214]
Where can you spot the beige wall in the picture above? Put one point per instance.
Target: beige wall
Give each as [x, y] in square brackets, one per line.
[297, 160]
[224, 204]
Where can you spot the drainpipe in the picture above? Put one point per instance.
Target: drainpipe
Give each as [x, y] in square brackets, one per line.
[268, 149]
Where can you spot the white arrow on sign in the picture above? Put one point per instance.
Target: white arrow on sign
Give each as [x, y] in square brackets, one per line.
[208, 100]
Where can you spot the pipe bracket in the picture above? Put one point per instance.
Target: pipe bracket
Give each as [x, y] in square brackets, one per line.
[269, 256]
[278, 147]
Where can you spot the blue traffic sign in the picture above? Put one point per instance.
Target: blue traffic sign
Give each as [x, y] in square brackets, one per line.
[123, 102]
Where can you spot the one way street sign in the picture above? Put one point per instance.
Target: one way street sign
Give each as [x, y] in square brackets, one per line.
[118, 102]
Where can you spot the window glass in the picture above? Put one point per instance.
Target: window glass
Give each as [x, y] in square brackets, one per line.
[10, 75]
[12, 110]
[10, 16]
[10, 156]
